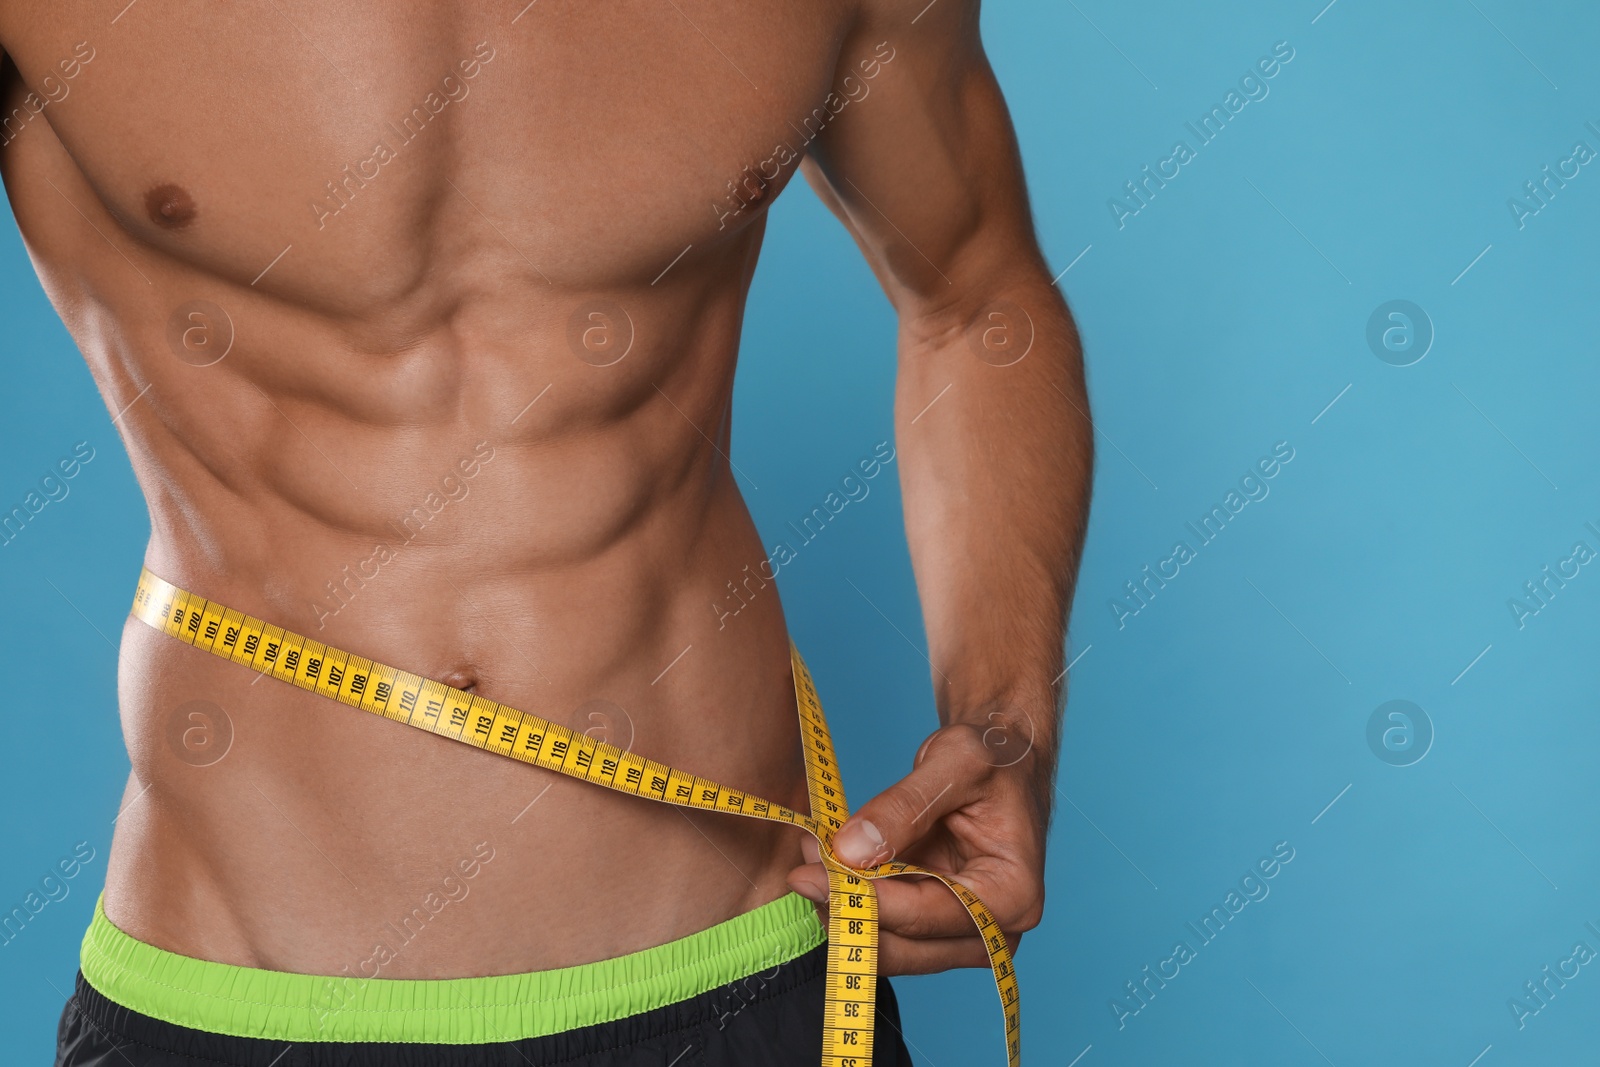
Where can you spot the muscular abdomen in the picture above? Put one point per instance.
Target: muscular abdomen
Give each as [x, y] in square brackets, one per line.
[461, 405]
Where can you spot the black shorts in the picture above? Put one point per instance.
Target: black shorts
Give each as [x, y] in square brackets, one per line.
[761, 1021]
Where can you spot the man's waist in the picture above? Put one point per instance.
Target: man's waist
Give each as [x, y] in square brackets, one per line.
[359, 1004]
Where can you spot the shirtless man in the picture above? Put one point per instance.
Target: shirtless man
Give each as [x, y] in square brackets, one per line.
[419, 322]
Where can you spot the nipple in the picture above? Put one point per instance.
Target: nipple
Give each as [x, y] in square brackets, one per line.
[169, 206]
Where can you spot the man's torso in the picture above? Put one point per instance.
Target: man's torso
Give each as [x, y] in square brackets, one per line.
[478, 277]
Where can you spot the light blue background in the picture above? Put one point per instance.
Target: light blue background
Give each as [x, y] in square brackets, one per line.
[1230, 711]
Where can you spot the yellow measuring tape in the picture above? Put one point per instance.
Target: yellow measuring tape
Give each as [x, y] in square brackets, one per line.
[461, 716]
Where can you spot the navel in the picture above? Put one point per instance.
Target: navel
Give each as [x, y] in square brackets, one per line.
[169, 206]
[460, 678]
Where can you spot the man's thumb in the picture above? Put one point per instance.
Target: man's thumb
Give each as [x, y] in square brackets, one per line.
[898, 817]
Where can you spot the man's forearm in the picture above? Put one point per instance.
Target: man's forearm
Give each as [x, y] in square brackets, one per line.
[995, 466]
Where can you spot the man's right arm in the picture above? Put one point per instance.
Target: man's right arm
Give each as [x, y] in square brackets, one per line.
[992, 421]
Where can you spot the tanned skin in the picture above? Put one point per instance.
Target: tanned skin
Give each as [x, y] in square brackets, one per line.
[462, 295]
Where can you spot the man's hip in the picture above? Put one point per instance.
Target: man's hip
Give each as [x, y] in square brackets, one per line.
[748, 991]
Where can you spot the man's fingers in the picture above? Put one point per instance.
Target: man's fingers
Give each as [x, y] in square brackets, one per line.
[811, 882]
[950, 770]
[913, 955]
[810, 849]
[921, 908]
[923, 927]
[810, 879]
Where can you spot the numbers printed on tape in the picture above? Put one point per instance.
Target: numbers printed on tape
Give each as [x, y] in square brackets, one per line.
[461, 716]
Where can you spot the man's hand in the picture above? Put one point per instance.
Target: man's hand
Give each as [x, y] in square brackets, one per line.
[970, 808]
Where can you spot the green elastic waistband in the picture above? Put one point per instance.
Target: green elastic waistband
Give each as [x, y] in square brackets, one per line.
[250, 1002]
